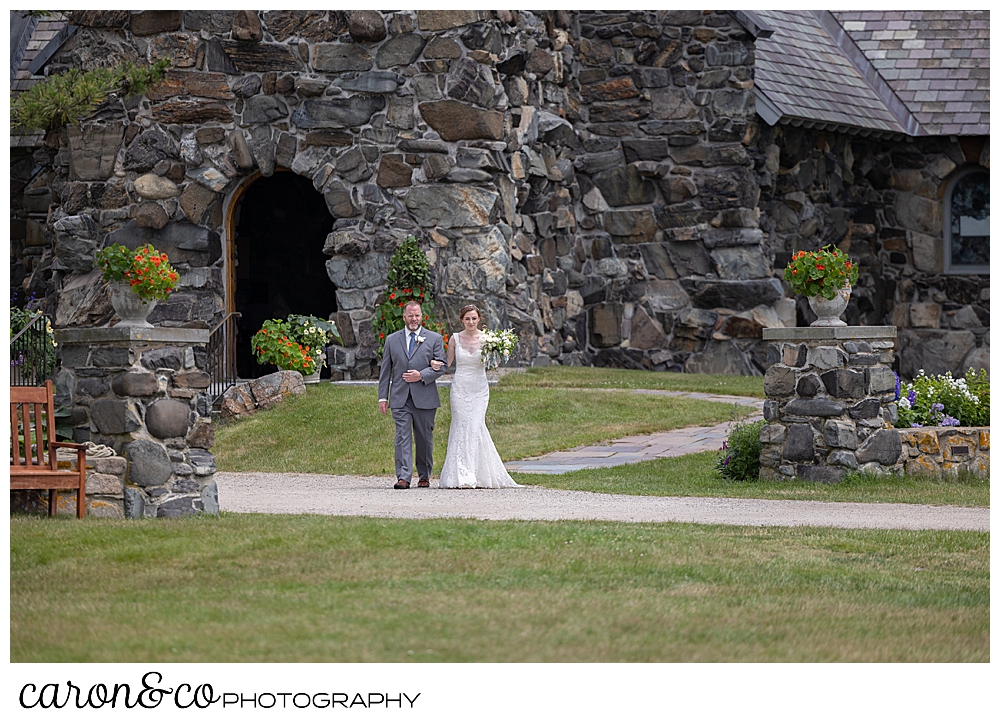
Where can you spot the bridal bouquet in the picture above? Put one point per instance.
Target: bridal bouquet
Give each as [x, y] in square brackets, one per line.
[497, 346]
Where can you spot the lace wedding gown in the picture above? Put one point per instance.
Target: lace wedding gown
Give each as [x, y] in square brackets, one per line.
[472, 459]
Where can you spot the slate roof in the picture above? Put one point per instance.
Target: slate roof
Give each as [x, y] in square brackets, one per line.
[936, 61]
[45, 30]
[805, 75]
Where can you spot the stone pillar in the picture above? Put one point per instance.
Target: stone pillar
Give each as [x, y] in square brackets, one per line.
[144, 393]
[830, 403]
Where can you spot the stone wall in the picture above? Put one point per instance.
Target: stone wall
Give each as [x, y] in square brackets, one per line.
[830, 402]
[582, 175]
[880, 200]
[105, 491]
[948, 450]
[143, 392]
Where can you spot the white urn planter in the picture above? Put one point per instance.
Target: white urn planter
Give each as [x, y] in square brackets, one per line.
[829, 310]
[132, 310]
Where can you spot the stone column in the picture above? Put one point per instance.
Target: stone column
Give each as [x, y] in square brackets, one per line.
[831, 400]
[144, 393]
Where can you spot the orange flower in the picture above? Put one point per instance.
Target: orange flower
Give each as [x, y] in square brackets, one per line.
[848, 264]
[392, 296]
[794, 271]
[820, 267]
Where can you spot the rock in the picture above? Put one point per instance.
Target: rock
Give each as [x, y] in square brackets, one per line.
[738, 295]
[237, 402]
[393, 172]
[247, 86]
[151, 215]
[741, 263]
[211, 178]
[148, 149]
[468, 175]
[799, 444]
[114, 416]
[204, 461]
[338, 112]
[93, 150]
[149, 465]
[880, 380]
[177, 507]
[623, 186]
[441, 48]
[840, 434]
[181, 49]
[928, 252]
[635, 226]
[274, 388]
[76, 242]
[689, 258]
[846, 383]
[166, 418]
[366, 26]
[99, 18]
[182, 242]
[83, 301]
[339, 58]
[819, 473]
[406, 48]
[446, 19]
[135, 384]
[666, 296]
[471, 82]
[926, 316]
[807, 386]
[826, 357]
[459, 121]
[358, 272]
[184, 111]
[646, 332]
[134, 503]
[261, 57]
[339, 202]
[202, 436]
[605, 324]
[917, 213]
[453, 206]
[843, 458]
[376, 81]
[246, 26]
[188, 82]
[742, 327]
[867, 409]
[814, 408]
[311, 25]
[884, 447]
[934, 351]
[196, 201]
[241, 151]
[217, 59]
[210, 499]
[156, 187]
[719, 357]
[264, 109]
[779, 381]
[192, 379]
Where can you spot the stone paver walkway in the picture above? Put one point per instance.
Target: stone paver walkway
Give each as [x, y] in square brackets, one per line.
[640, 448]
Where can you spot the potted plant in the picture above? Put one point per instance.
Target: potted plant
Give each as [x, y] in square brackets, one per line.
[275, 344]
[313, 334]
[138, 279]
[825, 277]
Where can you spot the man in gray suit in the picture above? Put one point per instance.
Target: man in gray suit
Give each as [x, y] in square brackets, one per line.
[406, 369]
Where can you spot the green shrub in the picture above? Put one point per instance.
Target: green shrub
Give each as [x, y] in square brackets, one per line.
[740, 456]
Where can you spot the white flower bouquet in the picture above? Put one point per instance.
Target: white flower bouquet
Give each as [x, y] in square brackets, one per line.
[495, 347]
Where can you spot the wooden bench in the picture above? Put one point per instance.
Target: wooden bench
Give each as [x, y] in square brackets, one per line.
[33, 464]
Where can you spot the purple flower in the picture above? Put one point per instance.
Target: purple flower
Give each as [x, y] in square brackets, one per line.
[949, 421]
[726, 461]
[912, 397]
[897, 385]
[915, 424]
[937, 407]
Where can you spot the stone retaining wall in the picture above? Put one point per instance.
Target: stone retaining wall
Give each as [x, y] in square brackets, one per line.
[143, 392]
[949, 450]
[830, 402]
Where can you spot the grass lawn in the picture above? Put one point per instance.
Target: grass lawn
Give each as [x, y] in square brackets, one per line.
[694, 476]
[338, 429]
[599, 378]
[277, 588]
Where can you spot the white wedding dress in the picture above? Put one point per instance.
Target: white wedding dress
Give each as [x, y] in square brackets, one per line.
[472, 459]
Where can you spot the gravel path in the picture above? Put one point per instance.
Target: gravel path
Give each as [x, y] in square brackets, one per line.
[373, 497]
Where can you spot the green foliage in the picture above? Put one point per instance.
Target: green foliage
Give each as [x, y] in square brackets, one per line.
[38, 368]
[409, 279]
[944, 401]
[146, 270]
[312, 332]
[821, 273]
[275, 344]
[740, 456]
[73, 95]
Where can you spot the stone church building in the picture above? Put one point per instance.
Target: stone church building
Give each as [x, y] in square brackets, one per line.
[621, 188]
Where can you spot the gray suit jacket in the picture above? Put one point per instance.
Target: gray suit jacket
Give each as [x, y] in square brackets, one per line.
[395, 362]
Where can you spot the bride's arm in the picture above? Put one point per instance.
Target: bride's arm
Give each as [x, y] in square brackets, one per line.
[451, 348]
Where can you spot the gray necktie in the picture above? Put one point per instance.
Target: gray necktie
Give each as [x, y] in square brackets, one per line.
[413, 343]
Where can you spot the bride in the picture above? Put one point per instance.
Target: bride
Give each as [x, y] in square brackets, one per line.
[472, 459]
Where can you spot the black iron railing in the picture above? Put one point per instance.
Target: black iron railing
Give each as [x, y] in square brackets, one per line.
[32, 353]
[222, 355]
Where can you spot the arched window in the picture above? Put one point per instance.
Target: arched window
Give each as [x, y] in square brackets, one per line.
[967, 223]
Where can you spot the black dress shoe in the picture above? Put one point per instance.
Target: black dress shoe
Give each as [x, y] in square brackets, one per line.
[401, 484]
[424, 482]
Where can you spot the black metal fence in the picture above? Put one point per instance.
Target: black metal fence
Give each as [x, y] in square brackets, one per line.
[222, 355]
[32, 353]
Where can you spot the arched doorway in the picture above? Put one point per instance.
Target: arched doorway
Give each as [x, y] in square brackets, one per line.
[279, 225]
